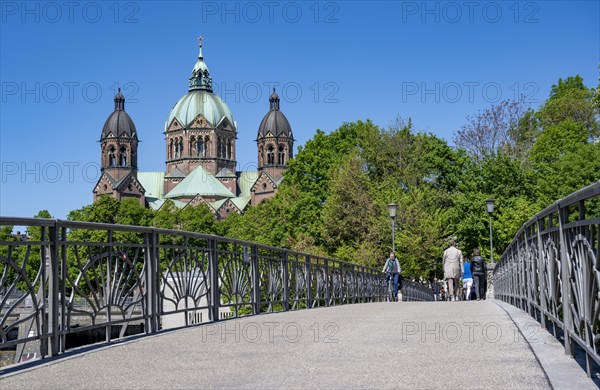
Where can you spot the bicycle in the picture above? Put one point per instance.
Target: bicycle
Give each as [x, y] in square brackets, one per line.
[391, 296]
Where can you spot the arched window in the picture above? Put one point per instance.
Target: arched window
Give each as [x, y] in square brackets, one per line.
[229, 149]
[261, 157]
[171, 149]
[199, 147]
[123, 156]
[192, 146]
[218, 147]
[281, 155]
[206, 145]
[112, 161]
[270, 155]
[181, 147]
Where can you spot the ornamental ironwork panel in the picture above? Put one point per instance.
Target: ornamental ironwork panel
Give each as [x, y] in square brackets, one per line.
[184, 280]
[235, 269]
[24, 292]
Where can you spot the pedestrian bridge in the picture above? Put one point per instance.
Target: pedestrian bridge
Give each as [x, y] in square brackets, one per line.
[179, 309]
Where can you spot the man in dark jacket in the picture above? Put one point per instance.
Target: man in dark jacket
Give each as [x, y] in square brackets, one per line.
[479, 271]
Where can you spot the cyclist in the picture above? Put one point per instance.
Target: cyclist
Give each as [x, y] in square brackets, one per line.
[392, 270]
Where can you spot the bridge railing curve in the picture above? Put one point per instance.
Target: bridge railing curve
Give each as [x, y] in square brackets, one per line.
[551, 269]
[73, 277]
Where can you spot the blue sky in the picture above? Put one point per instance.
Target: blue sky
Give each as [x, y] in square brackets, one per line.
[332, 62]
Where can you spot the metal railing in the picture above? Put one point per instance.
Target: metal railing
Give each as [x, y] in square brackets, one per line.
[413, 291]
[78, 277]
[551, 269]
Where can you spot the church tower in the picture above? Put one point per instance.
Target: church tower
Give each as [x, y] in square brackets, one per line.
[275, 143]
[200, 132]
[118, 146]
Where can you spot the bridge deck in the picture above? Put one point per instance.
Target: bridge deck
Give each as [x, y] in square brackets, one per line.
[381, 345]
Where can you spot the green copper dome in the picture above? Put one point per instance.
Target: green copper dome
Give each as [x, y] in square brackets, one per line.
[197, 102]
[200, 99]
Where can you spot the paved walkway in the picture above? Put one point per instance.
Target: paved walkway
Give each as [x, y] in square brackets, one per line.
[467, 345]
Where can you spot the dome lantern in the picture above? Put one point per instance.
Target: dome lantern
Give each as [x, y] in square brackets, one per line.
[119, 101]
[274, 101]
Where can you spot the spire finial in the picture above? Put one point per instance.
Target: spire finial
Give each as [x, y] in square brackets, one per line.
[200, 39]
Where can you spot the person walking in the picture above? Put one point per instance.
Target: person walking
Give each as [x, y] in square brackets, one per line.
[467, 279]
[392, 270]
[479, 271]
[453, 269]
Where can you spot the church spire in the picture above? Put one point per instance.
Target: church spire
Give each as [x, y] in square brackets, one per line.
[200, 79]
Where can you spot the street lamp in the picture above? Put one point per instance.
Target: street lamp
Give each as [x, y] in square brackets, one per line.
[490, 209]
[392, 207]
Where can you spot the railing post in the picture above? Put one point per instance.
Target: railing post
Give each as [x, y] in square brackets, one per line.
[215, 301]
[286, 281]
[343, 285]
[53, 288]
[255, 280]
[309, 296]
[107, 289]
[62, 262]
[152, 292]
[354, 284]
[566, 295]
[540, 274]
[327, 291]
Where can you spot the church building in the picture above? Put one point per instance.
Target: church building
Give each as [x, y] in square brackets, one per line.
[200, 153]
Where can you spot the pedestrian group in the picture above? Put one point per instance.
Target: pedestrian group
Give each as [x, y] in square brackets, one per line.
[473, 273]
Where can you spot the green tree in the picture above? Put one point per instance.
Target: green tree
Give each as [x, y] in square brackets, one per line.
[348, 210]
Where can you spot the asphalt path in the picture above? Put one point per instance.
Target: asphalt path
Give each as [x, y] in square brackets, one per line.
[428, 345]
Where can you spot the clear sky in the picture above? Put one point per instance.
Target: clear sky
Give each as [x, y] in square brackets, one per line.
[332, 62]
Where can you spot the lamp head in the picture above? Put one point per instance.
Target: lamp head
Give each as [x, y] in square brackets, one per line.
[392, 207]
[490, 205]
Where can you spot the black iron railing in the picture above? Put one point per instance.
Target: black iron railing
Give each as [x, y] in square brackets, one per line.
[551, 269]
[71, 277]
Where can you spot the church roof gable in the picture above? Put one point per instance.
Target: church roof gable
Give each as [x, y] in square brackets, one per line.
[199, 182]
[262, 177]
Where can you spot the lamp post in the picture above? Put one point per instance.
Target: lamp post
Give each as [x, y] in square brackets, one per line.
[490, 209]
[392, 207]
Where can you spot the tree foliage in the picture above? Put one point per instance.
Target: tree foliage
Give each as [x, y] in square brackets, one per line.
[334, 196]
